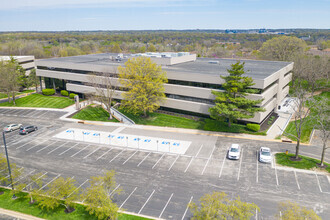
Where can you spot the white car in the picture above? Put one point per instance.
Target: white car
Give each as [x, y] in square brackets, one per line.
[12, 127]
[265, 155]
[234, 152]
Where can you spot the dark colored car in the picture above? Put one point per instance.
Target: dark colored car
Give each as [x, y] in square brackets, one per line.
[27, 129]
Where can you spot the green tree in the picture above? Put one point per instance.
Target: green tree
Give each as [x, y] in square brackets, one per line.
[232, 103]
[98, 197]
[282, 48]
[116, 48]
[60, 192]
[218, 206]
[152, 48]
[32, 185]
[292, 211]
[33, 79]
[145, 82]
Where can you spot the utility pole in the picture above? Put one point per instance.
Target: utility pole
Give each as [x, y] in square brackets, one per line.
[9, 170]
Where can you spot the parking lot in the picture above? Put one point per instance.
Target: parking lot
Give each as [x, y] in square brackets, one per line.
[161, 184]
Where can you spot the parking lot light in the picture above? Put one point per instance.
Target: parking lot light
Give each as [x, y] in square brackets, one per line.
[9, 170]
[157, 144]
[126, 141]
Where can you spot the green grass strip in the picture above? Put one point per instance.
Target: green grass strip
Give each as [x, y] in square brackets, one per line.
[22, 205]
[93, 114]
[305, 163]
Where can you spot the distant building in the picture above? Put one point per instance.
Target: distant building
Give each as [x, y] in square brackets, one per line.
[190, 79]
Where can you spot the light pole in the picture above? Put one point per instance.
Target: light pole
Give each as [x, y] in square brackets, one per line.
[126, 141]
[9, 170]
[157, 144]
[73, 135]
[83, 136]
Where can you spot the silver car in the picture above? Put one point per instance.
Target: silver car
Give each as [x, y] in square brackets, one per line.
[12, 127]
[265, 155]
[234, 152]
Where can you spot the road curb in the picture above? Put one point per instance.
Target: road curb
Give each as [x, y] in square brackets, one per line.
[18, 215]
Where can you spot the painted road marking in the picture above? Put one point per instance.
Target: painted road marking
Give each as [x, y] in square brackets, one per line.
[24, 144]
[117, 155]
[199, 150]
[192, 158]
[21, 178]
[35, 180]
[173, 163]
[144, 159]
[104, 154]
[208, 160]
[165, 206]
[56, 148]
[158, 161]
[240, 165]
[223, 163]
[295, 175]
[275, 170]
[318, 182]
[42, 114]
[130, 157]
[68, 149]
[146, 201]
[36, 145]
[127, 198]
[185, 212]
[46, 146]
[79, 151]
[77, 188]
[257, 178]
[92, 152]
[50, 182]
[114, 190]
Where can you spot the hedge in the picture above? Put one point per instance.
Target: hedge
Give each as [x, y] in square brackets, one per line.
[48, 91]
[72, 95]
[253, 127]
[64, 93]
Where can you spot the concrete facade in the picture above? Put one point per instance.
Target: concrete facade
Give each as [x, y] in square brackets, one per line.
[27, 62]
[190, 79]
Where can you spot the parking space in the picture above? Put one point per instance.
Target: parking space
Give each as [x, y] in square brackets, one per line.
[32, 113]
[308, 182]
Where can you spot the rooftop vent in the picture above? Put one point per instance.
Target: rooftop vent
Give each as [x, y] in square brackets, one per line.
[213, 62]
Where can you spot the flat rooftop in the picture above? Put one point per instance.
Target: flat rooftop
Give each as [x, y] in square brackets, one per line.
[257, 69]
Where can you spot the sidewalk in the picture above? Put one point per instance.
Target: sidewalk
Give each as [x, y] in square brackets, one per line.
[17, 215]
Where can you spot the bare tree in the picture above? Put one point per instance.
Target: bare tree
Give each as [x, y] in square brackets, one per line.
[104, 84]
[303, 104]
[323, 124]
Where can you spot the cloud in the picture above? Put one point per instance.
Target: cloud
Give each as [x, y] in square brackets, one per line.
[36, 4]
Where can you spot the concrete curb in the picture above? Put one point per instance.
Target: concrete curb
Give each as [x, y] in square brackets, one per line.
[18, 215]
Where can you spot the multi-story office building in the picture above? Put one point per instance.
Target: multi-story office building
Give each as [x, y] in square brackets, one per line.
[27, 62]
[190, 79]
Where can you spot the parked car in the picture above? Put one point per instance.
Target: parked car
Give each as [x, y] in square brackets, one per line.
[28, 129]
[234, 152]
[12, 127]
[265, 155]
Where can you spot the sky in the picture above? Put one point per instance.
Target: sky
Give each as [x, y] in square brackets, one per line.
[84, 15]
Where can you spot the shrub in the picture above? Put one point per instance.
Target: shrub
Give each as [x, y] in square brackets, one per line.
[72, 95]
[48, 91]
[64, 93]
[253, 127]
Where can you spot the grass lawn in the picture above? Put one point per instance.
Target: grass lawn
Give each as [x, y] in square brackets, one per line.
[22, 205]
[38, 100]
[3, 95]
[308, 125]
[306, 163]
[93, 114]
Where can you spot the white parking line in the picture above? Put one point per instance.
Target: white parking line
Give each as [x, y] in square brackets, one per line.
[42, 114]
[56, 148]
[21, 178]
[77, 188]
[240, 165]
[185, 212]
[130, 157]
[50, 182]
[173, 163]
[117, 155]
[192, 158]
[36, 145]
[79, 151]
[158, 161]
[144, 159]
[208, 160]
[256, 214]
[114, 190]
[127, 198]
[223, 163]
[46, 146]
[92, 152]
[104, 154]
[318, 182]
[35, 180]
[68, 149]
[199, 150]
[275, 170]
[23, 145]
[146, 201]
[295, 176]
[165, 206]
[257, 178]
